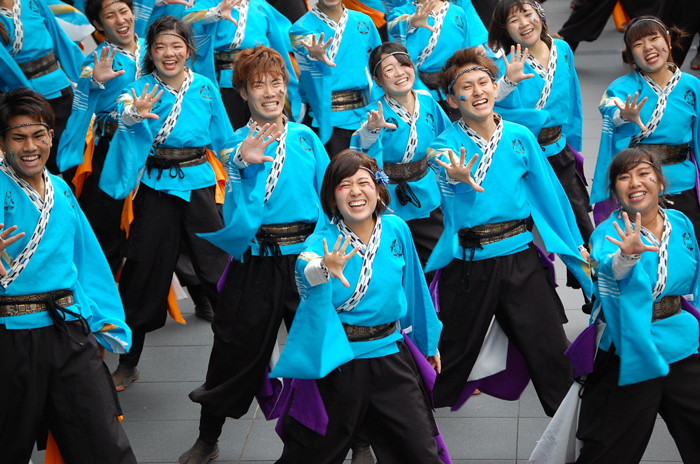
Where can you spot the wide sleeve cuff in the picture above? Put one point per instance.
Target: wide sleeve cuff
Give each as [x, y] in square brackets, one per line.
[368, 137]
[131, 115]
[617, 118]
[238, 160]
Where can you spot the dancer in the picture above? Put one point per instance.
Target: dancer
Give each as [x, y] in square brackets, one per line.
[58, 304]
[272, 205]
[655, 106]
[399, 128]
[97, 92]
[33, 45]
[175, 197]
[647, 363]
[432, 30]
[490, 268]
[347, 330]
[333, 69]
[226, 28]
[540, 90]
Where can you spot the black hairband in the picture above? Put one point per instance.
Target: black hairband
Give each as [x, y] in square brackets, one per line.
[27, 124]
[471, 68]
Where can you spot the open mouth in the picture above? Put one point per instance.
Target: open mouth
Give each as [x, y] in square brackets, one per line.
[480, 103]
[272, 104]
[637, 196]
[527, 32]
[356, 204]
[652, 58]
[402, 81]
[170, 64]
[30, 159]
[123, 31]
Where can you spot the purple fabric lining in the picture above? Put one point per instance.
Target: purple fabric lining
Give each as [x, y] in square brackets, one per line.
[434, 290]
[269, 396]
[220, 285]
[582, 352]
[688, 306]
[579, 164]
[547, 262]
[602, 210]
[506, 385]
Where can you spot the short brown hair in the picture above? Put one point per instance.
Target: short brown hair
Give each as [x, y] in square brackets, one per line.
[258, 60]
[343, 165]
[460, 60]
[24, 101]
[627, 159]
[644, 26]
[499, 38]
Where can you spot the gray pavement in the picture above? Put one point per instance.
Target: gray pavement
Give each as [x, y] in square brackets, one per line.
[162, 422]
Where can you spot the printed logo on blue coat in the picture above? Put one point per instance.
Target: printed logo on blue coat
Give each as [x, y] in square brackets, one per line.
[518, 147]
[33, 6]
[205, 92]
[688, 241]
[392, 120]
[430, 119]
[116, 65]
[363, 28]
[9, 203]
[689, 97]
[459, 21]
[69, 198]
[303, 143]
[396, 249]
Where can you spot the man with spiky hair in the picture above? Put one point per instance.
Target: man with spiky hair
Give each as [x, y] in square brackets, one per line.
[58, 304]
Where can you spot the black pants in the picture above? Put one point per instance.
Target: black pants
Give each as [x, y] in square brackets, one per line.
[684, 14]
[50, 381]
[385, 395]
[426, 233]
[161, 223]
[236, 108]
[687, 203]
[102, 211]
[518, 291]
[588, 19]
[62, 107]
[339, 141]
[616, 422]
[257, 295]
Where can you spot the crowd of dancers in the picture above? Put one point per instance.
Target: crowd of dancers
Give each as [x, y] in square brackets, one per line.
[377, 182]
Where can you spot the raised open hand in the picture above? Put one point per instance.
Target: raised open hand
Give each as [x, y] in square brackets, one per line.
[630, 110]
[254, 145]
[102, 71]
[335, 260]
[420, 17]
[458, 171]
[5, 241]
[515, 69]
[376, 121]
[317, 49]
[226, 6]
[631, 243]
[144, 102]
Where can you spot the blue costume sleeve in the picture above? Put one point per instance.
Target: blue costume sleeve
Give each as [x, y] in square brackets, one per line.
[420, 314]
[142, 16]
[127, 154]
[477, 31]
[11, 76]
[573, 129]
[97, 290]
[68, 53]
[220, 128]
[317, 343]
[73, 21]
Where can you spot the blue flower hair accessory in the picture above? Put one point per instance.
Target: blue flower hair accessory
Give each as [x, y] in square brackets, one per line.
[380, 176]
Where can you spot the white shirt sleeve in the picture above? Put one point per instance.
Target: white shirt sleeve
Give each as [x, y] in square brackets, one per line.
[131, 115]
[622, 264]
[367, 137]
[238, 160]
[316, 272]
[505, 88]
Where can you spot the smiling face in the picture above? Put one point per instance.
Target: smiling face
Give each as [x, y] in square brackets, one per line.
[637, 190]
[524, 25]
[356, 198]
[170, 54]
[395, 78]
[474, 94]
[266, 95]
[651, 52]
[27, 148]
[117, 23]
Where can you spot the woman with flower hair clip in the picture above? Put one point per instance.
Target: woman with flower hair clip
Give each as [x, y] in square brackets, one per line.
[398, 130]
[540, 90]
[655, 106]
[365, 314]
[166, 167]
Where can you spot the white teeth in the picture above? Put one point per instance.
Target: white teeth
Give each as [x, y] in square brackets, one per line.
[357, 203]
[480, 102]
[526, 32]
[123, 29]
[269, 104]
[405, 79]
[29, 159]
[636, 195]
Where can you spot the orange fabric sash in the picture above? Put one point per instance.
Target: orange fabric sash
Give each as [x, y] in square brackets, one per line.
[85, 168]
[53, 455]
[621, 17]
[378, 18]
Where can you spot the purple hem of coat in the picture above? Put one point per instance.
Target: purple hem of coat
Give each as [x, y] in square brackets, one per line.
[547, 262]
[269, 396]
[602, 210]
[688, 306]
[582, 352]
[220, 285]
[579, 164]
[434, 290]
[507, 385]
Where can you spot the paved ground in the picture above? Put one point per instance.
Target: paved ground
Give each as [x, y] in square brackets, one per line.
[161, 422]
